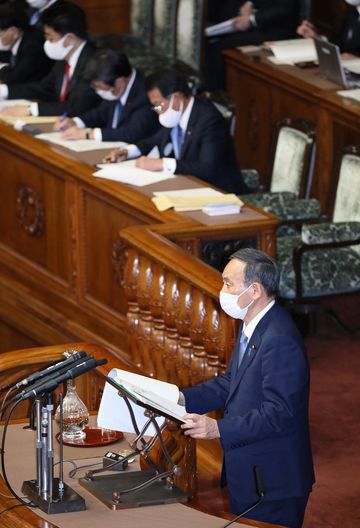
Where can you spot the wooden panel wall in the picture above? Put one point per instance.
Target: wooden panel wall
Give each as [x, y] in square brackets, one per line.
[107, 16]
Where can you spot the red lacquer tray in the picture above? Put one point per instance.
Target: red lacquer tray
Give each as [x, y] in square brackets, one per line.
[95, 437]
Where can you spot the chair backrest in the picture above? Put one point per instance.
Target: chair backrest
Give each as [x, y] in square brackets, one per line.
[294, 157]
[347, 197]
[190, 33]
[225, 104]
[141, 19]
[164, 24]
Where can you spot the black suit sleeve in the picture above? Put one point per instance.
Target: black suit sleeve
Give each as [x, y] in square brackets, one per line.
[275, 13]
[141, 123]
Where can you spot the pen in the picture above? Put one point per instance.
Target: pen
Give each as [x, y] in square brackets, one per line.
[62, 119]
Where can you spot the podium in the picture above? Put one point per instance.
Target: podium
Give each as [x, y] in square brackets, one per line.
[139, 488]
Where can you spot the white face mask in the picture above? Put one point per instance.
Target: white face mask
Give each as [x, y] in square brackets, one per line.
[355, 3]
[107, 95]
[56, 50]
[171, 118]
[37, 4]
[229, 303]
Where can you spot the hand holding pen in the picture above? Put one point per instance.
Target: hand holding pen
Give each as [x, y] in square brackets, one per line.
[63, 123]
[116, 156]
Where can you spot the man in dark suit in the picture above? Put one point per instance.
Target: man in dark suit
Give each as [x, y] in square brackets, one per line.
[348, 39]
[254, 23]
[194, 138]
[124, 114]
[27, 59]
[264, 393]
[37, 7]
[64, 89]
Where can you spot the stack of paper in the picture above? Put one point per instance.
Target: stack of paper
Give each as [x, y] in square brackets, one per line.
[351, 94]
[352, 65]
[14, 102]
[127, 172]
[215, 209]
[293, 51]
[79, 145]
[192, 199]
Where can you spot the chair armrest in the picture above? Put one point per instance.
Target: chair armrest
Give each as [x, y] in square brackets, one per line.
[252, 178]
[268, 199]
[299, 209]
[331, 233]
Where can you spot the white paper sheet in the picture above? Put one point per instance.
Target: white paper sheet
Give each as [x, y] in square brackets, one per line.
[113, 412]
[351, 65]
[14, 102]
[126, 172]
[220, 29]
[350, 94]
[294, 50]
[80, 145]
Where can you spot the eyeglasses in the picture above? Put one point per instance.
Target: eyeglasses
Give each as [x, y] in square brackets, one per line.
[158, 108]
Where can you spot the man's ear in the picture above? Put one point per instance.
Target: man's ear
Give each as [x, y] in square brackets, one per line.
[70, 40]
[257, 290]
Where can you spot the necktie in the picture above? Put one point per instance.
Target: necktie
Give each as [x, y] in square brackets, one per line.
[118, 110]
[177, 137]
[242, 348]
[66, 82]
[34, 19]
[12, 60]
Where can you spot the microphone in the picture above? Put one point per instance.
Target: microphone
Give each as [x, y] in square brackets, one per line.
[260, 490]
[50, 370]
[51, 384]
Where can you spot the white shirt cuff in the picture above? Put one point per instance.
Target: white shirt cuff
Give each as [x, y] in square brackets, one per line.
[79, 122]
[132, 151]
[169, 165]
[252, 20]
[34, 109]
[97, 134]
[4, 91]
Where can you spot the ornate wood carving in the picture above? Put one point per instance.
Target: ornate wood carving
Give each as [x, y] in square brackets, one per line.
[30, 211]
[145, 322]
[156, 304]
[118, 260]
[185, 348]
[131, 274]
[170, 317]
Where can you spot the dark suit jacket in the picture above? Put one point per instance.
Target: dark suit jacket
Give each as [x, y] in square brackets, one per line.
[207, 151]
[80, 97]
[137, 121]
[275, 19]
[349, 38]
[266, 412]
[31, 62]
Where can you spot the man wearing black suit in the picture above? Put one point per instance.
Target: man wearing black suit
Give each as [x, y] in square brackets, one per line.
[254, 23]
[348, 39]
[265, 396]
[64, 89]
[194, 138]
[124, 114]
[27, 60]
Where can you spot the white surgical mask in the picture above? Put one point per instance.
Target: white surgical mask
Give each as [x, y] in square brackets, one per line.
[354, 3]
[229, 303]
[107, 95]
[56, 50]
[171, 118]
[37, 4]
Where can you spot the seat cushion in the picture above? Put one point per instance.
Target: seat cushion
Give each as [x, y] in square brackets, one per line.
[324, 272]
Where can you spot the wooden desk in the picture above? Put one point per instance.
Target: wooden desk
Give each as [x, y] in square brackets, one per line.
[265, 94]
[62, 254]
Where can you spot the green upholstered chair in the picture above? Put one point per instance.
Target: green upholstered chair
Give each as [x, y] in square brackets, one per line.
[324, 259]
[292, 166]
[189, 36]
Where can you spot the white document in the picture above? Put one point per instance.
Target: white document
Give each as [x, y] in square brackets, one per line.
[351, 65]
[113, 412]
[222, 209]
[351, 94]
[127, 172]
[80, 145]
[14, 102]
[220, 29]
[294, 50]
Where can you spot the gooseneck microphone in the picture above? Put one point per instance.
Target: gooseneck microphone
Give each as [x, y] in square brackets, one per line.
[50, 370]
[260, 490]
[53, 381]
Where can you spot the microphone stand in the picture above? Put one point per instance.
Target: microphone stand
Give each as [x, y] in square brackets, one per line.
[50, 494]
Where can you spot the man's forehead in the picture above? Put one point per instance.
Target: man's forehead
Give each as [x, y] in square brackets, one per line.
[234, 269]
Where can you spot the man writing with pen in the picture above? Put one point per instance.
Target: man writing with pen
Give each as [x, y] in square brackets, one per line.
[64, 89]
[194, 138]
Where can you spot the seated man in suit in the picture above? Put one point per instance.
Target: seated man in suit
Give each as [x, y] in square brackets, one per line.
[194, 138]
[264, 393]
[64, 89]
[27, 61]
[254, 23]
[348, 39]
[124, 114]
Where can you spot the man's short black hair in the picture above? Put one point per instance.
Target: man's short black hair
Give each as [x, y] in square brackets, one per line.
[66, 17]
[259, 267]
[107, 65]
[12, 15]
[168, 82]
